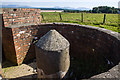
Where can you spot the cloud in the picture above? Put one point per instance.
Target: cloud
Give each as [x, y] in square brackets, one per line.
[74, 4]
[59, 0]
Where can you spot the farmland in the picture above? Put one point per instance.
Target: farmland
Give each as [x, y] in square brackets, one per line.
[93, 19]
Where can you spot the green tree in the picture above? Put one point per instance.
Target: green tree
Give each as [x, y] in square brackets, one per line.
[105, 9]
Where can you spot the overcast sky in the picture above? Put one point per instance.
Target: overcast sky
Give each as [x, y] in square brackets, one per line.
[63, 3]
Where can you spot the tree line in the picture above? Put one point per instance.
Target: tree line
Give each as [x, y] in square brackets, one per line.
[105, 9]
[99, 9]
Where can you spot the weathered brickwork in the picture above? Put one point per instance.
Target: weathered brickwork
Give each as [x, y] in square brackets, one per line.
[20, 17]
[23, 37]
[20, 41]
[17, 39]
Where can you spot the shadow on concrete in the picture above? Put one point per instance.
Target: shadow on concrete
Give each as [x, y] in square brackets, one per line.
[6, 64]
[30, 54]
[29, 77]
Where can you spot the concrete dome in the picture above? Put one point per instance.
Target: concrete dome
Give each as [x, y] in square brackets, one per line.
[52, 41]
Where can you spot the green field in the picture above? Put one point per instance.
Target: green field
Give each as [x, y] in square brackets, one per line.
[94, 19]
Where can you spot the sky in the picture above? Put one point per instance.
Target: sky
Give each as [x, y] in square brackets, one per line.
[62, 3]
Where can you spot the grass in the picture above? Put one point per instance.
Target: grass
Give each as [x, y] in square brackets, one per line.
[93, 19]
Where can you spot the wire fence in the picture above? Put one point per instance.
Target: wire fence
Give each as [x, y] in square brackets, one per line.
[90, 18]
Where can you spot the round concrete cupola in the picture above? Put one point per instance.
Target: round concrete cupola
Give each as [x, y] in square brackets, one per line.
[53, 41]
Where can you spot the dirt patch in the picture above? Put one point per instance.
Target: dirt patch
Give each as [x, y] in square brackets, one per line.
[24, 70]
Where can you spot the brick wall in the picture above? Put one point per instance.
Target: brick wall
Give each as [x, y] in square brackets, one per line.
[15, 17]
[23, 38]
[17, 37]
[17, 43]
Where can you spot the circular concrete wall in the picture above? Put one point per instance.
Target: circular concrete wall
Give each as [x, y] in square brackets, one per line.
[93, 50]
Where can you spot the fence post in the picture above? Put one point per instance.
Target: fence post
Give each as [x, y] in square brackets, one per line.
[81, 17]
[43, 17]
[104, 18]
[60, 16]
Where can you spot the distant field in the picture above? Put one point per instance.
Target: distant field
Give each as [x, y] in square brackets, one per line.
[93, 19]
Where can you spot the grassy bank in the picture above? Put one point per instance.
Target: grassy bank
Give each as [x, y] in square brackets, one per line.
[93, 19]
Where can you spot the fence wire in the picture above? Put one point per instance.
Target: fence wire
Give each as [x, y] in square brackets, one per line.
[89, 18]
